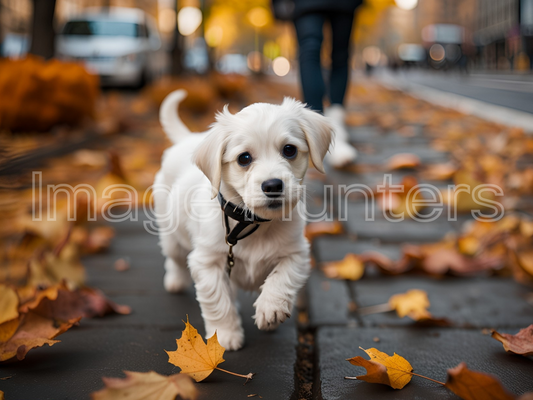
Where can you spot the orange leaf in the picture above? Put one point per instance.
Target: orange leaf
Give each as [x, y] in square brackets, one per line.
[413, 303]
[193, 356]
[9, 302]
[147, 386]
[33, 331]
[351, 268]
[521, 343]
[403, 161]
[474, 385]
[315, 229]
[394, 371]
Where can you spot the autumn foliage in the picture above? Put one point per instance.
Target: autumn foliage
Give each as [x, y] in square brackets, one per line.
[36, 95]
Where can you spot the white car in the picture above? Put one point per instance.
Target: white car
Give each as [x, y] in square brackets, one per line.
[118, 44]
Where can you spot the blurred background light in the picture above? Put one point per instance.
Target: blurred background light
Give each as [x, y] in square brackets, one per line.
[189, 19]
[254, 61]
[436, 52]
[281, 66]
[213, 36]
[258, 16]
[406, 4]
[167, 20]
[372, 55]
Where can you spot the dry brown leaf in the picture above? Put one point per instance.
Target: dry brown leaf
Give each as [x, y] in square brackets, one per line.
[33, 331]
[474, 385]
[147, 386]
[58, 302]
[414, 303]
[9, 302]
[350, 268]
[316, 229]
[394, 371]
[521, 343]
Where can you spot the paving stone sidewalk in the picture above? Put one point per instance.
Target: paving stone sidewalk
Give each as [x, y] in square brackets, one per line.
[472, 304]
[305, 361]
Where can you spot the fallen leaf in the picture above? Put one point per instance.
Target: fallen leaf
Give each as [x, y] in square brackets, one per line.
[403, 161]
[394, 371]
[64, 304]
[408, 203]
[122, 265]
[351, 268]
[413, 303]
[193, 356]
[33, 331]
[439, 172]
[521, 343]
[9, 302]
[196, 358]
[8, 329]
[316, 229]
[474, 385]
[147, 386]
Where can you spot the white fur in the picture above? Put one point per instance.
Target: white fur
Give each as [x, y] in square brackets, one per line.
[274, 259]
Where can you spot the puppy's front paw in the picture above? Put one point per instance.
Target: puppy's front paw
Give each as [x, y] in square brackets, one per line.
[230, 339]
[270, 312]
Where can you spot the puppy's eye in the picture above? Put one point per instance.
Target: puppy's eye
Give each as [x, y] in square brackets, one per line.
[290, 151]
[244, 159]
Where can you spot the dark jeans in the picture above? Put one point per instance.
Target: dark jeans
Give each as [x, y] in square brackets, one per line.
[309, 33]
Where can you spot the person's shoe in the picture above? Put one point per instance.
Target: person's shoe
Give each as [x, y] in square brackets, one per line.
[341, 152]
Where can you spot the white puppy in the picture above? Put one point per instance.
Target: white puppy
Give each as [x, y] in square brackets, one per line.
[256, 159]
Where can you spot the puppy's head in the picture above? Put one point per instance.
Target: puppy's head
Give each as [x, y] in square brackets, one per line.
[260, 155]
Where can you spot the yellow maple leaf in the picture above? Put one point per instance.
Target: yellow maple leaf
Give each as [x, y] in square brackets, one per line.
[413, 303]
[394, 371]
[351, 268]
[193, 356]
[147, 386]
[196, 358]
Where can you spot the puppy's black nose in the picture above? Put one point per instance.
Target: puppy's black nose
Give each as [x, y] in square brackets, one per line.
[272, 187]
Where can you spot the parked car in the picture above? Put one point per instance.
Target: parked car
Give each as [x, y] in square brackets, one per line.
[14, 45]
[118, 44]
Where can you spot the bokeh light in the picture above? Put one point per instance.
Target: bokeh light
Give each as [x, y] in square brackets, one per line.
[281, 66]
[214, 35]
[189, 19]
[258, 16]
[254, 61]
[436, 52]
[372, 55]
[167, 20]
[406, 4]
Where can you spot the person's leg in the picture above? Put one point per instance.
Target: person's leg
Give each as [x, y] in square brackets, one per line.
[309, 33]
[342, 152]
[341, 27]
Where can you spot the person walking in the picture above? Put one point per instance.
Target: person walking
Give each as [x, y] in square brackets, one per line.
[309, 17]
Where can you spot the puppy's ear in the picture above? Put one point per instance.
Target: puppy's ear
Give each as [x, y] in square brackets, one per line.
[319, 135]
[208, 155]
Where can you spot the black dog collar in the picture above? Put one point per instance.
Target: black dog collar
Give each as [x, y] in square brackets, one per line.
[244, 217]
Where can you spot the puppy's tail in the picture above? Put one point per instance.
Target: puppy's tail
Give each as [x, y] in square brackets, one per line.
[169, 118]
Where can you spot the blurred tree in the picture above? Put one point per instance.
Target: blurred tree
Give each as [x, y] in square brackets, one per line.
[43, 35]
